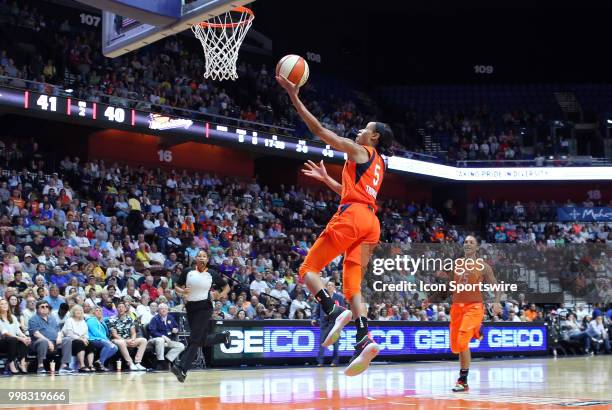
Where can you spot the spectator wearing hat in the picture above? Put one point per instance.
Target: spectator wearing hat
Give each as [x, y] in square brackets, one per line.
[28, 266]
[44, 331]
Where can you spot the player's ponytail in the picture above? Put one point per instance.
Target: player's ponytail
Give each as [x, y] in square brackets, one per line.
[385, 139]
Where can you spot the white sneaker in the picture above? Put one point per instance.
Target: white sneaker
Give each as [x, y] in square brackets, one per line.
[140, 367]
[133, 367]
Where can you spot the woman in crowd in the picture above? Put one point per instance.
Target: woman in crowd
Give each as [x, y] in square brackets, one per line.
[74, 284]
[15, 306]
[13, 340]
[76, 328]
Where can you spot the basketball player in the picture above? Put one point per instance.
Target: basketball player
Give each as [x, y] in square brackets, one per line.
[467, 309]
[199, 288]
[353, 230]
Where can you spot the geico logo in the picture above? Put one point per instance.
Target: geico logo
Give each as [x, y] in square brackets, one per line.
[515, 338]
[265, 341]
[389, 339]
[392, 339]
[278, 388]
[530, 373]
[436, 339]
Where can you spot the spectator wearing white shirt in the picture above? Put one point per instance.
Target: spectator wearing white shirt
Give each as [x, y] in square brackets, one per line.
[258, 286]
[599, 334]
[76, 329]
[279, 293]
[146, 311]
[299, 303]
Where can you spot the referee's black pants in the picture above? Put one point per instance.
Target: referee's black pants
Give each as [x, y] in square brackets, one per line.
[199, 315]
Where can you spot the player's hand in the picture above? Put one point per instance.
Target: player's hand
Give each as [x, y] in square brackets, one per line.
[186, 291]
[315, 171]
[214, 295]
[288, 86]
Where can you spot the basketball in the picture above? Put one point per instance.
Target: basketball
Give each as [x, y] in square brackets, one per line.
[294, 68]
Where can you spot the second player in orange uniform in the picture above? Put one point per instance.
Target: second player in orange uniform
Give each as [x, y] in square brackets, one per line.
[354, 230]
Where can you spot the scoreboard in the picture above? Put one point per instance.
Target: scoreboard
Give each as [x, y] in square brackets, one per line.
[109, 116]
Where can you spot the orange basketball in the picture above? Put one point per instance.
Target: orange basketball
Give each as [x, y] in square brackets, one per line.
[294, 68]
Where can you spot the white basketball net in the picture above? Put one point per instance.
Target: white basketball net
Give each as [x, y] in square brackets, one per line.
[221, 38]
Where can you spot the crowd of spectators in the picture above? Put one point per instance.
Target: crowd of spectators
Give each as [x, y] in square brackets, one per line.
[478, 135]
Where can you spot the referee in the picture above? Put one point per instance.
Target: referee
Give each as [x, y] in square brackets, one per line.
[199, 288]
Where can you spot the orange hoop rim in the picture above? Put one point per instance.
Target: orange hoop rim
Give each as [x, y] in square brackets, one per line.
[240, 9]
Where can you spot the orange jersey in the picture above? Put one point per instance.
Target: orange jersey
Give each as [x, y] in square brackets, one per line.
[472, 276]
[361, 182]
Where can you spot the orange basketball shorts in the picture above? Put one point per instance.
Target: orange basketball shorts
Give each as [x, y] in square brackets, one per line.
[465, 321]
[353, 230]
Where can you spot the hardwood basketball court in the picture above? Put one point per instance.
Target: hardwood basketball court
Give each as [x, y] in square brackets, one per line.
[535, 383]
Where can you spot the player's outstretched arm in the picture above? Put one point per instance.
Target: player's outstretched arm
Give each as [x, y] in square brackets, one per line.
[354, 151]
[320, 173]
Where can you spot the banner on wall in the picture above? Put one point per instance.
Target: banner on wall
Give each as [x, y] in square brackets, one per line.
[298, 341]
[579, 214]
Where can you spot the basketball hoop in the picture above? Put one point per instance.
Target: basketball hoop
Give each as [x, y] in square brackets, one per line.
[221, 37]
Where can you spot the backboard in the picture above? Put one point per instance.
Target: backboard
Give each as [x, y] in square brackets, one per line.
[130, 24]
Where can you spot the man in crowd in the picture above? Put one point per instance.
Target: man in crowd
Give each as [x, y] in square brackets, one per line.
[44, 331]
[163, 330]
[123, 331]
